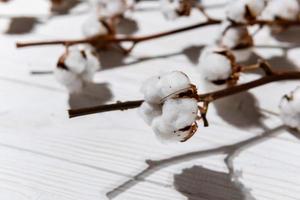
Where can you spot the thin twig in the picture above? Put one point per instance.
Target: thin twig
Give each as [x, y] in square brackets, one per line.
[118, 39]
[208, 97]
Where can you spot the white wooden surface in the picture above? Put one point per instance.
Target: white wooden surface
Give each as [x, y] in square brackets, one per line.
[44, 155]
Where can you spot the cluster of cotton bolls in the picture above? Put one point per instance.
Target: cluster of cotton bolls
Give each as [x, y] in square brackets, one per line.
[290, 109]
[173, 9]
[76, 68]
[236, 39]
[170, 106]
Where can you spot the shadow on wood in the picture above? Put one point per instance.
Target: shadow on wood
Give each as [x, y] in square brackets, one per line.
[112, 58]
[127, 26]
[93, 94]
[240, 110]
[231, 151]
[199, 183]
[21, 25]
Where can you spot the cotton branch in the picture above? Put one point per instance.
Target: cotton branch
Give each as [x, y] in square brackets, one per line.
[118, 39]
[208, 97]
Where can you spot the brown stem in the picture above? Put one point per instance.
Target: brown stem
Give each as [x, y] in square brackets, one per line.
[260, 65]
[105, 108]
[208, 97]
[247, 86]
[119, 39]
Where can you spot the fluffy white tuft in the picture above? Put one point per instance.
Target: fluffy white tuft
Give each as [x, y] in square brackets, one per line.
[92, 26]
[178, 115]
[81, 67]
[236, 9]
[214, 66]
[110, 8]
[149, 111]
[287, 9]
[290, 109]
[230, 37]
[70, 80]
[157, 88]
[171, 117]
[169, 8]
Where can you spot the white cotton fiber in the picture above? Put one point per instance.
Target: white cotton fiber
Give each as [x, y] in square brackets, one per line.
[214, 66]
[155, 89]
[80, 67]
[178, 115]
[236, 9]
[110, 8]
[283, 9]
[290, 109]
[169, 8]
[70, 80]
[180, 112]
[92, 27]
[149, 111]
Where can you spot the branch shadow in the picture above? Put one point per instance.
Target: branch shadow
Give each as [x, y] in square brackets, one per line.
[240, 110]
[278, 62]
[67, 6]
[93, 94]
[290, 35]
[199, 183]
[113, 58]
[231, 151]
[127, 26]
[22, 25]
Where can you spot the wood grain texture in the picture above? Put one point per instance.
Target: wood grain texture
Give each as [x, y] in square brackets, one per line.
[44, 155]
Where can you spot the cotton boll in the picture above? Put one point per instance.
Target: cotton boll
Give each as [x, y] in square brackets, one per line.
[169, 8]
[243, 10]
[234, 37]
[75, 68]
[75, 61]
[110, 8]
[69, 79]
[92, 66]
[286, 10]
[166, 133]
[290, 109]
[214, 66]
[93, 26]
[181, 112]
[155, 89]
[151, 90]
[149, 111]
[177, 120]
[237, 39]
[175, 8]
[173, 83]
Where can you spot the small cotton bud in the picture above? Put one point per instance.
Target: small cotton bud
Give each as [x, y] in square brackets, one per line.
[177, 122]
[290, 109]
[241, 11]
[111, 8]
[93, 26]
[237, 39]
[76, 67]
[216, 65]
[176, 8]
[279, 9]
[157, 88]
